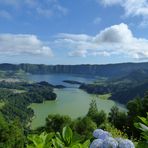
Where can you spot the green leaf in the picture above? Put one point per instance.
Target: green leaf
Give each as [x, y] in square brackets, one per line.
[144, 120]
[86, 144]
[142, 145]
[49, 137]
[35, 139]
[143, 127]
[77, 146]
[67, 135]
[57, 144]
[58, 135]
[30, 146]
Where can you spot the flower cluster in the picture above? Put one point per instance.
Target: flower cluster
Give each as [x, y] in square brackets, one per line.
[105, 140]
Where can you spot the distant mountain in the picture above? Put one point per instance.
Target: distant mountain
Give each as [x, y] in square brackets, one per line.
[136, 76]
[123, 96]
[125, 80]
[109, 70]
[123, 88]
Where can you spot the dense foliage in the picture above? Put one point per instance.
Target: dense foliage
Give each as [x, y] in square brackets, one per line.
[82, 128]
[18, 96]
[11, 134]
[16, 115]
[56, 140]
[143, 127]
[121, 89]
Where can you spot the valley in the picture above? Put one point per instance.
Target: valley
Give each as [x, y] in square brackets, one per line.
[36, 99]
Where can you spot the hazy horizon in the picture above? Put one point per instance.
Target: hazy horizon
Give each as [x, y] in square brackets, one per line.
[77, 64]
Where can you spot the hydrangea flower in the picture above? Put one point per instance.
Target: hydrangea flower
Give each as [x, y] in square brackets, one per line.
[104, 140]
[100, 134]
[97, 132]
[125, 143]
[97, 143]
[104, 135]
[110, 143]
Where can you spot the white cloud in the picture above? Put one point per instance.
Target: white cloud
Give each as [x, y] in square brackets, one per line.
[97, 20]
[61, 9]
[114, 40]
[44, 8]
[115, 34]
[132, 8]
[110, 2]
[15, 44]
[144, 22]
[44, 12]
[49, 8]
[135, 7]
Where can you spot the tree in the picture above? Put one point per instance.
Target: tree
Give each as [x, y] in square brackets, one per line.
[95, 115]
[92, 109]
[56, 122]
[145, 105]
[117, 118]
[84, 126]
[100, 118]
[11, 134]
[134, 107]
[112, 116]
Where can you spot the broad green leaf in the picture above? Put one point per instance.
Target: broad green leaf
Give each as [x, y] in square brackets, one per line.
[49, 137]
[86, 144]
[142, 145]
[77, 146]
[144, 120]
[58, 135]
[56, 144]
[67, 135]
[143, 127]
[35, 139]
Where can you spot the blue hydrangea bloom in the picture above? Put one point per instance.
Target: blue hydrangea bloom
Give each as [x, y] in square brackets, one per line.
[110, 143]
[97, 132]
[100, 134]
[125, 143]
[97, 143]
[104, 140]
[104, 135]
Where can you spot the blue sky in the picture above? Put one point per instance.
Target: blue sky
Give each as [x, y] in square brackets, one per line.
[73, 31]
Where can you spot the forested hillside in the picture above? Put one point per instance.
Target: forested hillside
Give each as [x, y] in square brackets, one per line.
[122, 89]
[121, 82]
[109, 70]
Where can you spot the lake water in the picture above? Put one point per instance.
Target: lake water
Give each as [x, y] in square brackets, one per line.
[70, 101]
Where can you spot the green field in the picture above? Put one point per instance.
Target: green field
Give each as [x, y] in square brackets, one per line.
[103, 97]
[17, 91]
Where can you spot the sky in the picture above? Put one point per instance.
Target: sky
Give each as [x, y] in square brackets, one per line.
[73, 31]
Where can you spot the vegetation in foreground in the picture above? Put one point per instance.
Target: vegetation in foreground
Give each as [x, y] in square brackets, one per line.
[119, 124]
[15, 116]
[102, 139]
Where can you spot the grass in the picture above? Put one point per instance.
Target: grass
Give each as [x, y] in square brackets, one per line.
[103, 97]
[17, 91]
[12, 75]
